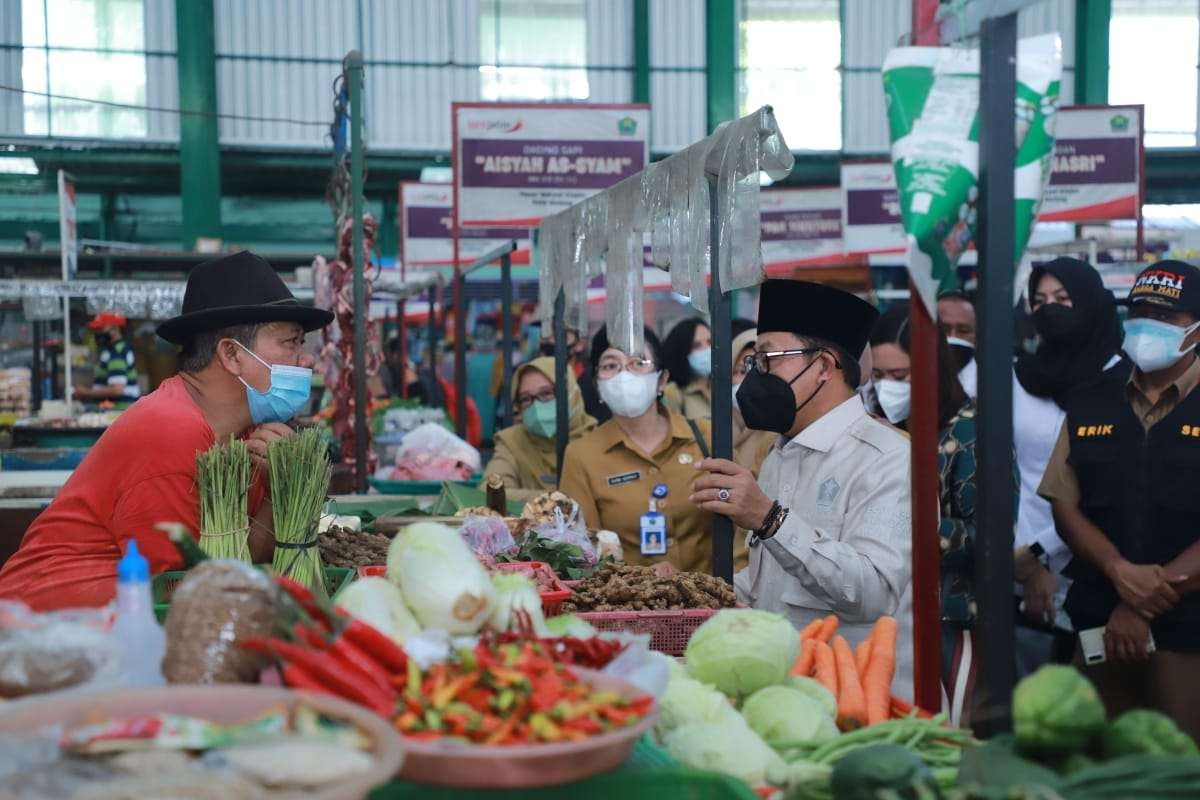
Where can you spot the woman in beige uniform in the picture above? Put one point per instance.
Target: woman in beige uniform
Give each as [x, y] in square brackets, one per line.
[645, 452]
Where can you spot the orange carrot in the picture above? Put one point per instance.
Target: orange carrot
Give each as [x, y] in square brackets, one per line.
[829, 627]
[804, 662]
[877, 681]
[825, 669]
[862, 657]
[852, 703]
[811, 630]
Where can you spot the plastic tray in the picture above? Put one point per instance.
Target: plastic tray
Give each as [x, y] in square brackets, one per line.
[669, 630]
[164, 583]
[419, 487]
[663, 783]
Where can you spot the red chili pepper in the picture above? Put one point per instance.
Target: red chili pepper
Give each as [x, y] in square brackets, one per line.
[297, 678]
[302, 595]
[376, 644]
[351, 655]
[306, 635]
[334, 675]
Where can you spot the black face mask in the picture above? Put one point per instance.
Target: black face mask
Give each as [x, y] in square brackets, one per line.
[962, 355]
[547, 349]
[104, 339]
[767, 402]
[1058, 324]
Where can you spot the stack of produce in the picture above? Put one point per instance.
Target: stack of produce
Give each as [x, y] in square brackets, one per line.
[15, 391]
[1064, 746]
[736, 709]
[223, 478]
[343, 547]
[300, 474]
[622, 587]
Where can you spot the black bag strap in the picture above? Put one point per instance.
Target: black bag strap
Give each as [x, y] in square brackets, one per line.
[699, 439]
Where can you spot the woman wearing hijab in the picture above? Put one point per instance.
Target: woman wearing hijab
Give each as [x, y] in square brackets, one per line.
[687, 358]
[1080, 339]
[525, 456]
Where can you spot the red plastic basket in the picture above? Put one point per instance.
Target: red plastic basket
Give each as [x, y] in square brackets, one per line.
[669, 630]
[551, 601]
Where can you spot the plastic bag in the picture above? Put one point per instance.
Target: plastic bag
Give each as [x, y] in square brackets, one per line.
[569, 530]
[641, 666]
[431, 440]
[55, 651]
[488, 536]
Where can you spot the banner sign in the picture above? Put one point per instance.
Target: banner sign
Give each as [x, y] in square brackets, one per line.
[68, 237]
[800, 225]
[1097, 171]
[515, 163]
[871, 209]
[427, 234]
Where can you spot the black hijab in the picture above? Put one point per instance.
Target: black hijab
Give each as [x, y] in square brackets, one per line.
[1077, 342]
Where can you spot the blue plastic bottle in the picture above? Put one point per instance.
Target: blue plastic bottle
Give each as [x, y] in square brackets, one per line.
[143, 642]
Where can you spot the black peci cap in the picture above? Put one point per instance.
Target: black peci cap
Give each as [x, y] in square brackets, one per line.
[813, 309]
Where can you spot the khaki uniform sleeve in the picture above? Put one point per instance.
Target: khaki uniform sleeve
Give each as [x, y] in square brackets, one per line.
[504, 464]
[575, 485]
[1059, 482]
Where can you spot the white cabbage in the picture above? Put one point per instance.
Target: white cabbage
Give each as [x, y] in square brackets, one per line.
[377, 602]
[444, 584]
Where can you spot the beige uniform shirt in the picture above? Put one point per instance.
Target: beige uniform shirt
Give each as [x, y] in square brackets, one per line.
[846, 545]
[1060, 482]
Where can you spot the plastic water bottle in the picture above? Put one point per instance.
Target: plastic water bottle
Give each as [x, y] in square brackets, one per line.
[143, 642]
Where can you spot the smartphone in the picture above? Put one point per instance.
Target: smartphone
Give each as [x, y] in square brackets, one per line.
[1091, 643]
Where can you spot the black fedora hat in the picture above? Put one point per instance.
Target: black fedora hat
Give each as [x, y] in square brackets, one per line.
[237, 289]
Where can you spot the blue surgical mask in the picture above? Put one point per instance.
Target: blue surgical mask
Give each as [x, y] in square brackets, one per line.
[289, 391]
[1154, 345]
[701, 362]
[540, 417]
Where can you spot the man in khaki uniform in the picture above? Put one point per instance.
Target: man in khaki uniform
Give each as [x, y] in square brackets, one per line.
[1121, 482]
[829, 516]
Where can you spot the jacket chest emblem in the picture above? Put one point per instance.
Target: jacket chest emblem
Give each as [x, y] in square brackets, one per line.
[826, 492]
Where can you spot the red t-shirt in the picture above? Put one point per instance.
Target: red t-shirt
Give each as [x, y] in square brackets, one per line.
[141, 472]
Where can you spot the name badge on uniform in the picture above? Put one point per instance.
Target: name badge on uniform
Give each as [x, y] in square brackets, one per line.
[623, 478]
[653, 534]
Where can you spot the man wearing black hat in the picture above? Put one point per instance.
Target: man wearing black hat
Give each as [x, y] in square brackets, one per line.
[829, 515]
[1122, 483]
[243, 372]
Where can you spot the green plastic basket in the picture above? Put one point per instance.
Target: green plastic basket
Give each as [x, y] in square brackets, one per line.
[671, 783]
[164, 584]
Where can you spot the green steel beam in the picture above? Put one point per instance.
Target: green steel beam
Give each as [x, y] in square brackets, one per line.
[1091, 51]
[641, 51]
[720, 65]
[199, 148]
[387, 243]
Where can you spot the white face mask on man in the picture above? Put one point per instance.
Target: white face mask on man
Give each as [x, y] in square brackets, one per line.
[629, 395]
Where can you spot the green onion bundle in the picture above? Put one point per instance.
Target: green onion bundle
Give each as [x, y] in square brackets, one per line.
[223, 474]
[300, 475]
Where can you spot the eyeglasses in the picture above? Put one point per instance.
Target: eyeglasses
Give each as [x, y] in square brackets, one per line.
[638, 366]
[524, 401]
[761, 362]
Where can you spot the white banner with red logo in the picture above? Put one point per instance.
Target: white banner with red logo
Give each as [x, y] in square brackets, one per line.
[427, 231]
[800, 226]
[515, 163]
[871, 209]
[1098, 158]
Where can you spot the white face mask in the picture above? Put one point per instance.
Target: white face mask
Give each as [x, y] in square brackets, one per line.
[1153, 344]
[895, 398]
[629, 395]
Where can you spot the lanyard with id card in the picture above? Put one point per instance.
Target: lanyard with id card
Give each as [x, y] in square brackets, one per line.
[653, 526]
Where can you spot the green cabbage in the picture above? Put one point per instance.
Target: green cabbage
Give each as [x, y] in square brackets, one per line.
[570, 625]
[783, 714]
[689, 702]
[729, 747]
[516, 592]
[377, 602]
[445, 585]
[1056, 711]
[814, 689]
[741, 650]
[1146, 731]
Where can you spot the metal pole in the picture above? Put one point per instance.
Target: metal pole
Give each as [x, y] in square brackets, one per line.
[354, 76]
[434, 292]
[561, 429]
[722, 379]
[506, 339]
[460, 352]
[36, 379]
[994, 509]
[401, 309]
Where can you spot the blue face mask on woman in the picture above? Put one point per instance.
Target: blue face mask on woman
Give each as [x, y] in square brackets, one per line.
[289, 391]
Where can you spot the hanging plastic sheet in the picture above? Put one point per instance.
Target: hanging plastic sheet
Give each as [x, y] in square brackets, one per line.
[553, 252]
[623, 282]
[678, 181]
[656, 195]
[698, 226]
